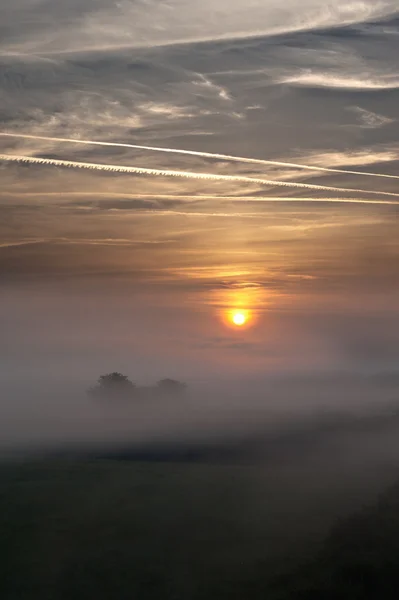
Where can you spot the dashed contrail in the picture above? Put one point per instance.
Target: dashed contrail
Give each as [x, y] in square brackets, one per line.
[227, 157]
[184, 174]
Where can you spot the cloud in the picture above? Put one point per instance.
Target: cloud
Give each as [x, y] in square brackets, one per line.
[313, 78]
[359, 157]
[48, 27]
[11, 243]
[337, 63]
[310, 252]
[219, 90]
[369, 119]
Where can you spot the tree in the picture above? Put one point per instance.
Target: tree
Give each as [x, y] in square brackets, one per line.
[171, 386]
[113, 385]
[116, 386]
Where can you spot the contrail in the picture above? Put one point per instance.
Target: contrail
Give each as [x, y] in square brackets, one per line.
[184, 174]
[228, 157]
[199, 198]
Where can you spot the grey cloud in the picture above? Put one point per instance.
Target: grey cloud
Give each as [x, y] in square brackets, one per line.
[50, 27]
[164, 96]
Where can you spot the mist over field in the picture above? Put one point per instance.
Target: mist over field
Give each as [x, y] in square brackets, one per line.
[196, 496]
[46, 414]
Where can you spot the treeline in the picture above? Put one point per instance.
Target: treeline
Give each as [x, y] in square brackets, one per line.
[115, 385]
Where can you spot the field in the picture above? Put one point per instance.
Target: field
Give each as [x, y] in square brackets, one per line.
[108, 529]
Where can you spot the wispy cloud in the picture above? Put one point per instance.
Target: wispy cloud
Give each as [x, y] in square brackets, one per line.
[140, 200]
[369, 119]
[220, 91]
[353, 82]
[11, 243]
[147, 23]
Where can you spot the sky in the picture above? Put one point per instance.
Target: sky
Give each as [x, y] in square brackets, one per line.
[166, 163]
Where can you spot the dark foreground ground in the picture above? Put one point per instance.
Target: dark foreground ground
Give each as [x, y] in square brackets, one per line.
[108, 529]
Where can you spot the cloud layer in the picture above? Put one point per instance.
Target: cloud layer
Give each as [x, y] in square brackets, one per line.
[49, 27]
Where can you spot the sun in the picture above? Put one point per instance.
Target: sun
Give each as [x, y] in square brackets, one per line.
[239, 318]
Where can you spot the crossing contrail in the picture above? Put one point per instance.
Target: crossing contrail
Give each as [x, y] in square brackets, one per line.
[227, 157]
[183, 174]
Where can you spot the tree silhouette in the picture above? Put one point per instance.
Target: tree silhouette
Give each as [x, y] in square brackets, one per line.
[117, 386]
[171, 386]
[113, 385]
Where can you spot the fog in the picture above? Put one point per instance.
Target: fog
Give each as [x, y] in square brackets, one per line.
[303, 386]
[259, 415]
